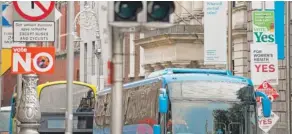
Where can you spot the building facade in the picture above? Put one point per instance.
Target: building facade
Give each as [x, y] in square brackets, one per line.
[183, 46]
[89, 61]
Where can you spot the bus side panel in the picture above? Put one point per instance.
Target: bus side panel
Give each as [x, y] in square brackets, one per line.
[140, 106]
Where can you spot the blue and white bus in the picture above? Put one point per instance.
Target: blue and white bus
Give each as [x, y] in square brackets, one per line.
[185, 101]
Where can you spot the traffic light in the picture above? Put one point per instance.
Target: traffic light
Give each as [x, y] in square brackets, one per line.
[137, 13]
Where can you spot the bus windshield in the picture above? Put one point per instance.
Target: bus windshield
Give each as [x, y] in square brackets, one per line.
[53, 97]
[4, 121]
[205, 107]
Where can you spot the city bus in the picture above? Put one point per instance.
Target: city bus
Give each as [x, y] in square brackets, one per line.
[52, 99]
[185, 101]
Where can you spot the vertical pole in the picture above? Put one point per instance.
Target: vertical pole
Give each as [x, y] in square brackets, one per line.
[70, 67]
[29, 108]
[19, 91]
[1, 54]
[288, 94]
[117, 94]
[263, 5]
[229, 62]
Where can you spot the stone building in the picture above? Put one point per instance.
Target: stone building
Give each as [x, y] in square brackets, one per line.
[183, 46]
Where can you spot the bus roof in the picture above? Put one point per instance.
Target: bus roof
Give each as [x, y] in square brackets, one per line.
[4, 109]
[41, 86]
[187, 75]
[189, 70]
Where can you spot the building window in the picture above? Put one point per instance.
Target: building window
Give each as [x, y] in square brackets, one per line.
[93, 58]
[78, 75]
[85, 62]
[233, 3]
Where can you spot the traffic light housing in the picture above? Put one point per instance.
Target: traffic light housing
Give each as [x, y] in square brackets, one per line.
[136, 13]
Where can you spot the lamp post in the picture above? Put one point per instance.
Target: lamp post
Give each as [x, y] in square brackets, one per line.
[28, 111]
[88, 20]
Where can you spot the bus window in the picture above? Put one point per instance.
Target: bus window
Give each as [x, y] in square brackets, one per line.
[4, 121]
[53, 97]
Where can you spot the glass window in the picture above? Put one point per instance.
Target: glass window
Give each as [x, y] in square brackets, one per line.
[53, 98]
[205, 107]
[93, 58]
[4, 121]
[85, 62]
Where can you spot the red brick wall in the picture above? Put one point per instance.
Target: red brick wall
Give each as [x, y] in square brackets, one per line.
[60, 71]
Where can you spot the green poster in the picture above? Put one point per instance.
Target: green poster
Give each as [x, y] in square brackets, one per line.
[263, 27]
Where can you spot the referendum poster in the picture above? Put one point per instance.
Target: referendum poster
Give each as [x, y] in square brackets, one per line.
[264, 63]
[263, 27]
[215, 32]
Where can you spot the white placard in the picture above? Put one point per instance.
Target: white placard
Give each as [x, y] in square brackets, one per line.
[264, 63]
[7, 38]
[215, 42]
[266, 123]
[34, 31]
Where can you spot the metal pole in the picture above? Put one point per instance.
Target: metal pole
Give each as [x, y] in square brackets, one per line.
[70, 67]
[288, 94]
[29, 108]
[229, 62]
[18, 95]
[117, 94]
[1, 55]
[263, 5]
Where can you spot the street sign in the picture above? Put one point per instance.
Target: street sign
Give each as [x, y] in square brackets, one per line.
[39, 60]
[266, 123]
[264, 63]
[7, 38]
[34, 10]
[58, 14]
[33, 31]
[7, 15]
[266, 88]
[6, 60]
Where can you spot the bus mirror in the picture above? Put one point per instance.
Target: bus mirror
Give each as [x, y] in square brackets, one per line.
[163, 101]
[266, 103]
[156, 129]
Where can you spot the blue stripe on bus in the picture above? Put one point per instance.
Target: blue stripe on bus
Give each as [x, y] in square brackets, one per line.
[182, 77]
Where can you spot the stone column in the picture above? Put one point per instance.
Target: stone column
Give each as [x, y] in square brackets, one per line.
[29, 113]
[197, 7]
[197, 10]
[186, 10]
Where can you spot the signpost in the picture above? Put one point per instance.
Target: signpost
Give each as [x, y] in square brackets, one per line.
[266, 88]
[39, 60]
[266, 123]
[34, 31]
[33, 22]
[34, 10]
[7, 38]
[264, 63]
[7, 15]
